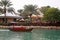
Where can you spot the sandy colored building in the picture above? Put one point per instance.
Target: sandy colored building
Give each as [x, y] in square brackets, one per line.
[9, 17]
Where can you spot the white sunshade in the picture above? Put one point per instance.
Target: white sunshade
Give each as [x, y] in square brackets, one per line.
[9, 14]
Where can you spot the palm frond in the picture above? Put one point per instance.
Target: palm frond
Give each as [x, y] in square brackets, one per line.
[1, 4]
[6, 3]
[1, 11]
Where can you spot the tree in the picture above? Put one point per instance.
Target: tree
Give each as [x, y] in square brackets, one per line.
[20, 11]
[5, 4]
[52, 15]
[1, 10]
[29, 10]
[44, 9]
[11, 9]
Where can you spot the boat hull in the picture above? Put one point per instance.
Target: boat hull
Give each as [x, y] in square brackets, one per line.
[21, 29]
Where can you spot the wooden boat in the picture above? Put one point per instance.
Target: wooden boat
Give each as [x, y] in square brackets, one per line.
[21, 29]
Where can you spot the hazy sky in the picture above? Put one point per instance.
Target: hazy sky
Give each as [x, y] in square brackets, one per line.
[19, 4]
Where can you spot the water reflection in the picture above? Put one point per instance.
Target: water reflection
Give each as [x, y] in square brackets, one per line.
[28, 36]
[35, 35]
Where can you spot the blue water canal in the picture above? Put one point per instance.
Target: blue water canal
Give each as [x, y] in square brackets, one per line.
[36, 34]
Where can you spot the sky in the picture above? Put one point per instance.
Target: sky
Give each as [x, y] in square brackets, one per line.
[19, 4]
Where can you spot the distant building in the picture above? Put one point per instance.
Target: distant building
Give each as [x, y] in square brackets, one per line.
[38, 17]
[9, 17]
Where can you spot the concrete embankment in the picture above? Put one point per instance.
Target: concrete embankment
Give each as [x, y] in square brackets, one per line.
[35, 27]
[46, 27]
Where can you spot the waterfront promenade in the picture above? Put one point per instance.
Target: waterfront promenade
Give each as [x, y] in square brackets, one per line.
[35, 27]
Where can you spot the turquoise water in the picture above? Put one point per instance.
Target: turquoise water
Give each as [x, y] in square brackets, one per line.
[36, 34]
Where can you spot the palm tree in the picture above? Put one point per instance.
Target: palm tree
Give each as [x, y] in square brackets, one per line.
[11, 9]
[5, 4]
[1, 11]
[20, 11]
[30, 9]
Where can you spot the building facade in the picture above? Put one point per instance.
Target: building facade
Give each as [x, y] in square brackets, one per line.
[9, 18]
